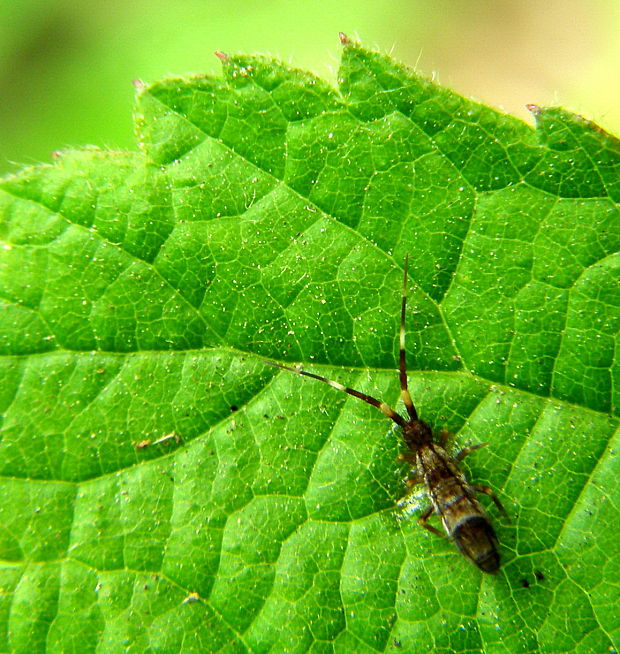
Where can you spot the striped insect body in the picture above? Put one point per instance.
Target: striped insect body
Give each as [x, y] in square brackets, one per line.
[452, 497]
[454, 500]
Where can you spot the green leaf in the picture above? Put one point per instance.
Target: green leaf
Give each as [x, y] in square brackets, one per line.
[267, 216]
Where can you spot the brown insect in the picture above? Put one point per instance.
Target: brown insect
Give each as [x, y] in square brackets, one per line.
[453, 499]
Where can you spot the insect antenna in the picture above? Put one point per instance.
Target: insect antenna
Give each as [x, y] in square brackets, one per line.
[382, 406]
[404, 391]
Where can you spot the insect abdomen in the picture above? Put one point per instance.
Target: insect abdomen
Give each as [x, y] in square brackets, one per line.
[463, 517]
[475, 538]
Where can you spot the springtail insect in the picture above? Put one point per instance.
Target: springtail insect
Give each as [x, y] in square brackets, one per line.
[452, 497]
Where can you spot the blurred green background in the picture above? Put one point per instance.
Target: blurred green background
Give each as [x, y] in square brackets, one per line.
[66, 67]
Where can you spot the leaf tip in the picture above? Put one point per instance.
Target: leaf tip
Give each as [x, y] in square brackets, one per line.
[534, 108]
[138, 84]
[222, 56]
[344, 39]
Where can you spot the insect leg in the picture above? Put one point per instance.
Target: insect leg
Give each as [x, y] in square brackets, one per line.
[487, 490]
[404, 391]
[466, 450]
[443, 437]
[414, 479]
[382, 406]
[422, 521]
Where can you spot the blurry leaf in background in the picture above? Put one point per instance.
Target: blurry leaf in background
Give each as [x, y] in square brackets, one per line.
[66, 67]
